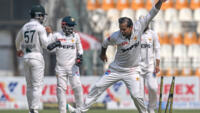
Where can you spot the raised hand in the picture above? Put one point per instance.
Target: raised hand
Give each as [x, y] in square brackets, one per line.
[20, 53]
[48, 29]
[103, 57]
[163, 0]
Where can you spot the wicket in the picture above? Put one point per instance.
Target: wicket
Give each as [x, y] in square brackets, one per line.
[170, 97]
[160, 98]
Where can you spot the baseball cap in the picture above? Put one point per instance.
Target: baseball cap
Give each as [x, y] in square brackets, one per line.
[68, 20]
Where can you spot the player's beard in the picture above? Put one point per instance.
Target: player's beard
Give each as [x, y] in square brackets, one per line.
[68, 30]
[128, 36]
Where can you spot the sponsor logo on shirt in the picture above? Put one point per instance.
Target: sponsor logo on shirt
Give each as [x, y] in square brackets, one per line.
[131, 47]
[67, 46]
[123, 43]
[145, 46]
[31, 46]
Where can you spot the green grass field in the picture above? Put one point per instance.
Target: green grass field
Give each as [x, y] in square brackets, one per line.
[96, 111]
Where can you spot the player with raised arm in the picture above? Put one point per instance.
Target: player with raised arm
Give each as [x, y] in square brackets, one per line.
[68, 48]
[150, 61]
[30, 41]
[126, 65]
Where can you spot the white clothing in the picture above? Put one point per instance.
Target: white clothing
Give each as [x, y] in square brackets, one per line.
[150, 51]
[66, 54]
[128, 51]
[31, 39]
[125, 66]
[66, 70]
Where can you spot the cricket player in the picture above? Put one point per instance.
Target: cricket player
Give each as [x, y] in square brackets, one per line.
[68, 49]
[30, 41]
[126, 65]
[150, 61]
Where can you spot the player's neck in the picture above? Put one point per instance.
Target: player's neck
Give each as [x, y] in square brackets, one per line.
[128, 37]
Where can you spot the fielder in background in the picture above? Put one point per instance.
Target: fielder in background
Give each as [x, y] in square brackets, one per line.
[150, 61]
[30, 41]
[68, 48]
[126, 65]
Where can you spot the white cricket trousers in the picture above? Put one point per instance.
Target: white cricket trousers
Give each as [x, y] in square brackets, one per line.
[131, 80]
[62, 81]
[152, 85]
[34, 73]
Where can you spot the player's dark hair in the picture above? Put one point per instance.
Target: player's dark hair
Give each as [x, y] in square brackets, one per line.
[127, 20]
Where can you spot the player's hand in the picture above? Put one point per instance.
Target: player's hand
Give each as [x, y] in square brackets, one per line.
[20, 53]
[157, 69]
[79, 60]
[48, 29]
[103, 57]
[54, 45]
[163, 1]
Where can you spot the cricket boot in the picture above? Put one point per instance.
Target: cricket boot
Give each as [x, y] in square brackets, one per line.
[33, 111]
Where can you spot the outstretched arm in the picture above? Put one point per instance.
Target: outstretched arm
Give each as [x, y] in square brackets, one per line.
[152, 13]
[159, 4]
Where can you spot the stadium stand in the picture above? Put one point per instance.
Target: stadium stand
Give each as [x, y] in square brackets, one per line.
[185, 14]
[107, 4]
[93, 4]
[180, 4]
[122, 4]
[196, 14]
[137, 4]
[149, 4]
[174, 27]
[171, 14]
[128, 12]
[167, 5]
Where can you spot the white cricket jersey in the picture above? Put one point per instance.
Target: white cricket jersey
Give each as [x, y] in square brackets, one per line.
[66, 54]
[31, 39]
[128, 51]
[150, 49]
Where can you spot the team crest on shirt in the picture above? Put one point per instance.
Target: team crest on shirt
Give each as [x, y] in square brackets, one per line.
[150, 39]
[72, 40]
[137, 78]
[135, 38]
